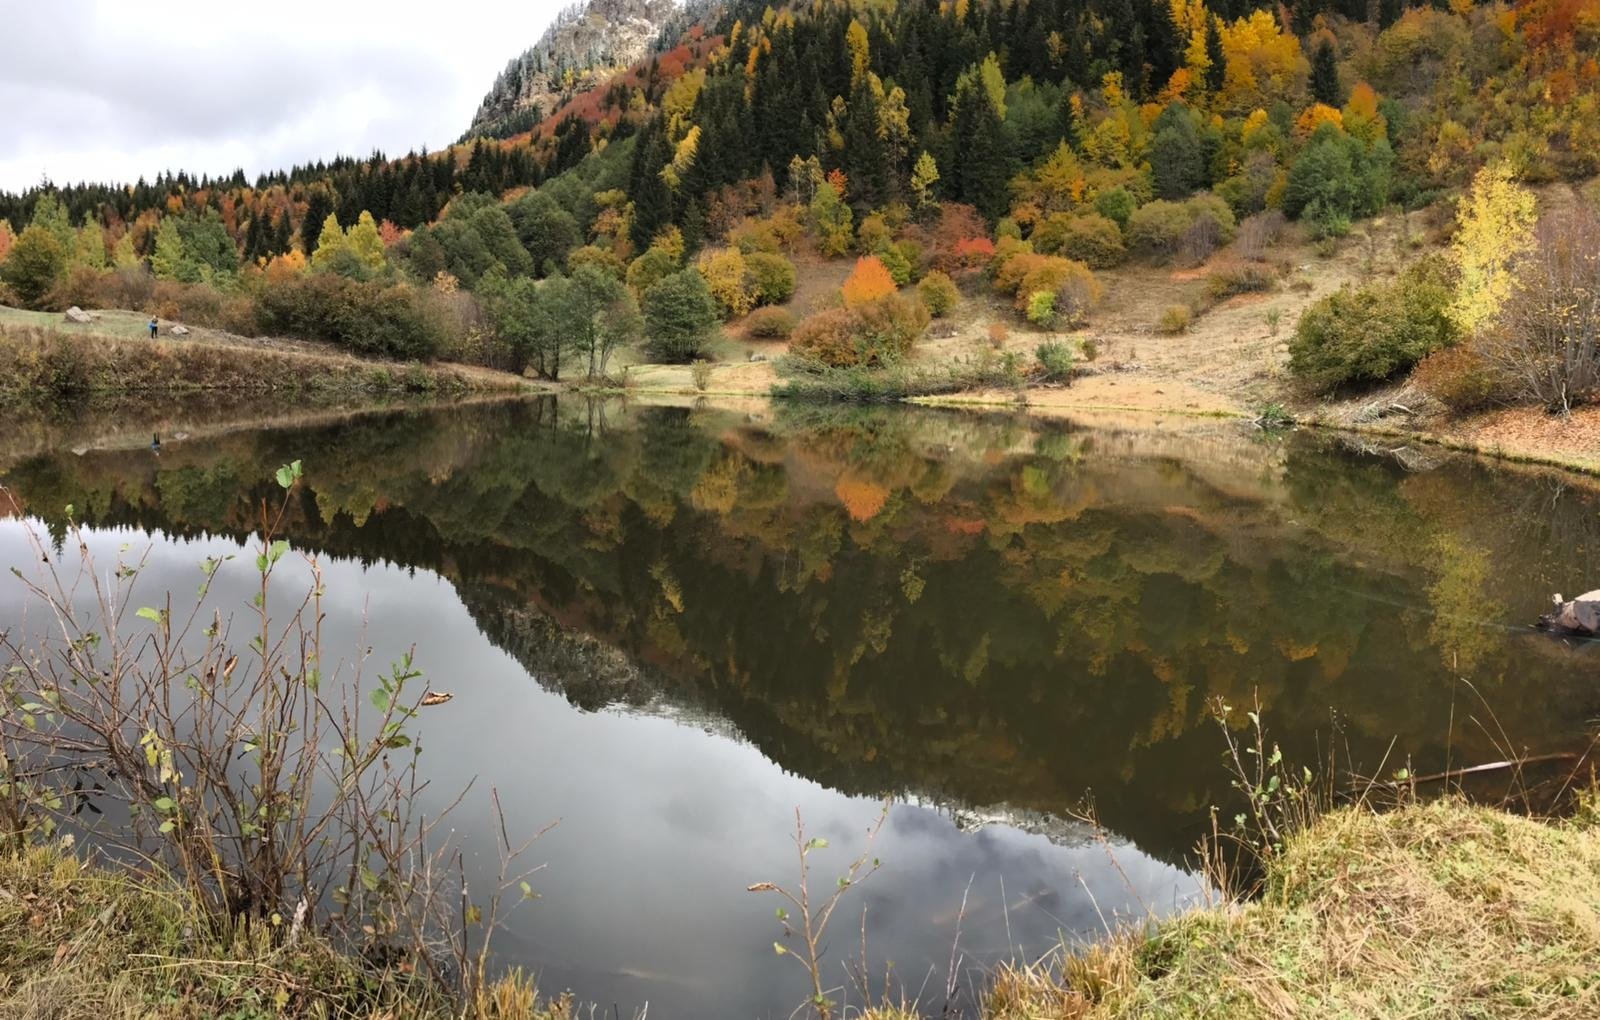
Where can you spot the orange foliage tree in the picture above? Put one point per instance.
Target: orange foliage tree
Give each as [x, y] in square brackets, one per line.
[868, 281]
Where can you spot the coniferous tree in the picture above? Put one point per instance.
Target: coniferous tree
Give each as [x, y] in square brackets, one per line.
[1325, 74]
[1217, 68]
[318, 208]
[979, 162]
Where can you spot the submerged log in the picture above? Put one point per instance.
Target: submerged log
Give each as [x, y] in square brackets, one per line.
[1579, 617]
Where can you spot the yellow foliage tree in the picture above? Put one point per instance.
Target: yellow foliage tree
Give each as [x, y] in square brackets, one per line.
[728, 279]
[1494, 225]
[330, 242]
[1263, 62]
[366, 242]
[1316, 115]
[855, 37]
[868, 281]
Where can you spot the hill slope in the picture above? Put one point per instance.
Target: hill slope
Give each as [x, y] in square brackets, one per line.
[585, 41]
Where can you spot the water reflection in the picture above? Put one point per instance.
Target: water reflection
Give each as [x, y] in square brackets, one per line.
[729, 617]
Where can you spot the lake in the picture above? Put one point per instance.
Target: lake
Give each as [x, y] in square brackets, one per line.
[669, 628]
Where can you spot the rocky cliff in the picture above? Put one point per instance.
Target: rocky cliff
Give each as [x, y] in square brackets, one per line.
[585, 43]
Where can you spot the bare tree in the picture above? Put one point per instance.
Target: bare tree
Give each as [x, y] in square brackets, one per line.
[1546, 343]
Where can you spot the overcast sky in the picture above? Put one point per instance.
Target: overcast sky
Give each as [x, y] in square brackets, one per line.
[109, 90]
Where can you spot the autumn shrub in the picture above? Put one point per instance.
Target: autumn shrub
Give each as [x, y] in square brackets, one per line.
[770, 323]
[874, 334]
[1176, 319]
[1366, 335]
[1013, 263]
[779, 232]
[998, 333]
[700, 375]
[126, 287]
[771, 276]
[1041, 309]
[728, 277]
[1461, 379]
[827, 337]
[873, 234]
[1244, 278]
[1077, 294]
[1091, 239]
[369, 318]
[869, 281]
[1162, 230]
[1258, 233]
[939, 294]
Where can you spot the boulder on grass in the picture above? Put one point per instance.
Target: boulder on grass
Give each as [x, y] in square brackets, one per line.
[179, 331]
[1579, 617]
[76, 314]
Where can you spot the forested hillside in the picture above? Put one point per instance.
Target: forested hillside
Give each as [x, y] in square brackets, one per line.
[1025, 144]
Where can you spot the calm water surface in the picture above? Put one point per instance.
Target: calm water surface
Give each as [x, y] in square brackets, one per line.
[669, 629]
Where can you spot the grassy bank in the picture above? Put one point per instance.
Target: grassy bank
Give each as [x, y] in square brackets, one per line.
[1438, 909]
[78, 940]
[48, 364]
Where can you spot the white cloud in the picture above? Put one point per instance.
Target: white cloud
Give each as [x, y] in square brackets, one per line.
[111, 90]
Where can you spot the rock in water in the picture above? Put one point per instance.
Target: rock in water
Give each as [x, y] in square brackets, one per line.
[1580, 616]
[76, 314]
[179, 331]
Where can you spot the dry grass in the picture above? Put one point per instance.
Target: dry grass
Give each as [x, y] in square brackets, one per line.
[98, 944]
[48, 363]
[1439, 910]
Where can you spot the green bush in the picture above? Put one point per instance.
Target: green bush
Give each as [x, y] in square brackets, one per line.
[1055, 360]
[1366, 335]
[1116, 204]
[773, 277]
[939, 294]
[368, 318]
[1092, 239]
[1042, 308]
[680, 316]
[650, 269]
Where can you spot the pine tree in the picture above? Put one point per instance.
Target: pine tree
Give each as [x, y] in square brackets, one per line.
[318, 208]
[283, 235]
[980, 165]
[1217, 69]
[1325, 74]
[865, 161]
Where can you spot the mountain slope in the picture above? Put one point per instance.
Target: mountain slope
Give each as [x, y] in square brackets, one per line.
[586, 41]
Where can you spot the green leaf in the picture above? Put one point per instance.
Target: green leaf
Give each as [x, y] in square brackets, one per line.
[777, 947]
[163, 804]
[289, 474]
[817, 843]
[369, 879]
[147, 613]
[380, 700]
[275, 553]
[168, 825]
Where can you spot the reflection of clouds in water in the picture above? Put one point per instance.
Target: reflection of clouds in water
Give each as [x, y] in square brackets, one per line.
[661, 825]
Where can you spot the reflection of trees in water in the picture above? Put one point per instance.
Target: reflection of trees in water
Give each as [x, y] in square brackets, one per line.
[983, 610]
